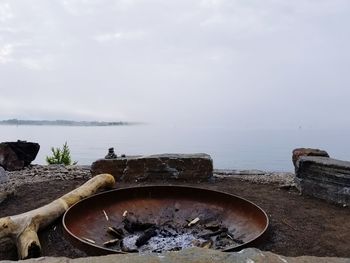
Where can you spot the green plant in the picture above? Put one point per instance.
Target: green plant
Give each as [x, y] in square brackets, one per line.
[60, 156]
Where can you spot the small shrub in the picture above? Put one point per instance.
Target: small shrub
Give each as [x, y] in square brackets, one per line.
[60, 156]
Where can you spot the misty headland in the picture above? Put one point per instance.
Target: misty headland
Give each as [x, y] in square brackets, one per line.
[64, 122]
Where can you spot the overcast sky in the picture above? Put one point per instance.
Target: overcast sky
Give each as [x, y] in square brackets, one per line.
[250, 63]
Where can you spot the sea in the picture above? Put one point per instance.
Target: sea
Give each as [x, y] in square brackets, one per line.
[229, 147]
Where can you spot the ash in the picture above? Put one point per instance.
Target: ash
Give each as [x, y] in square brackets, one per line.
[163, 242]
[137, 235]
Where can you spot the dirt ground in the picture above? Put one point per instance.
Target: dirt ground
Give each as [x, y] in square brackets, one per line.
[299, 225]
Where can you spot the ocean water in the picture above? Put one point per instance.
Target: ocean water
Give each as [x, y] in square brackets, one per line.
[230, 148]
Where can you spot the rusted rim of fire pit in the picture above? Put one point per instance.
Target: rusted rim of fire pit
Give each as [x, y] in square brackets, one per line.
[258, 219]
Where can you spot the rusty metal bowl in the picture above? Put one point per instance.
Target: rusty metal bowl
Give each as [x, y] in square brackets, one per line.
[86, 220]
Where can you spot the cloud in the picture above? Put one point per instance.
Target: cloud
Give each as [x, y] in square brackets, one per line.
[108, 37]
[92, 7]
[211, 3]
[6, 52]
[77, 7]
[228, 61]
[8, 55]
[131, 35]
[5, 12]
[38, 64]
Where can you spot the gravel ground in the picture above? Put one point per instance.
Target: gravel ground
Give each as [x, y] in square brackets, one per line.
[257, 176]
[43, 173]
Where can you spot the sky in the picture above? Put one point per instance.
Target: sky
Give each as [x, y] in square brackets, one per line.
[244, 63]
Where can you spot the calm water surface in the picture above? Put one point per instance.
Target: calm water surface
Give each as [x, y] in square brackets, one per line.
[229, 147]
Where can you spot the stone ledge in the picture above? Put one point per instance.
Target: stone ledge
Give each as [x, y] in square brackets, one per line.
[324, 178]
[162, 166]
[198, 255]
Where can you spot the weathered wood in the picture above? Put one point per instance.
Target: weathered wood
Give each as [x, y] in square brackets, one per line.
[23, 228]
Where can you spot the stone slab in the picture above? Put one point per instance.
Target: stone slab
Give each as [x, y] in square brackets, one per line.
[297, 153]
[195, 255]
[324, 178]
[151, 167]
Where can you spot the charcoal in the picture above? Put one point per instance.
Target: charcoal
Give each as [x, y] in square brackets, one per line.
[223, 235]
[213, 228]
[166, 233]
[145, 236]
[135, 235]
[176, 249]
[133, 226]
[238, 241]
[222, 232]
[221, 243]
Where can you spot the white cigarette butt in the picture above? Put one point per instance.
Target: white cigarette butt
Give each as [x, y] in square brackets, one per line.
[194, 221]
[104, 212]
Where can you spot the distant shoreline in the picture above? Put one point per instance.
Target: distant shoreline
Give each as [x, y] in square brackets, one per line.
[16, 122]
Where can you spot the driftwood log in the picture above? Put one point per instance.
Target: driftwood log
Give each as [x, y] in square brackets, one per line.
[23, 228]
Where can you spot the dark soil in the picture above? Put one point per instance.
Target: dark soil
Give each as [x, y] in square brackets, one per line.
[299, 225]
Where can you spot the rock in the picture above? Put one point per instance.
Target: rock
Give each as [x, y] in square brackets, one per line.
[3, 176]
[26, 151]
[8, 158]
[249, 255]
[307, 152]
[164, 166]
[324, 178]
[111, 154]
[16, 155]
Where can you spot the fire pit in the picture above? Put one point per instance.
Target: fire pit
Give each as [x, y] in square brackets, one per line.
[163, 218]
